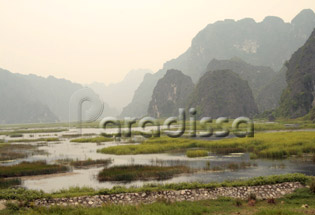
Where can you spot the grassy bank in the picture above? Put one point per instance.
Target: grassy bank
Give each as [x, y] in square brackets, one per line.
[288, 205]
[276, 145]
[24, 194]
[30, 168]
[139, 172]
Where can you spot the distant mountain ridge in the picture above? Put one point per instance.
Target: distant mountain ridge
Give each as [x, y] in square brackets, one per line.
[35, 99]
[18, 103]
[118, 95]
[267, 43]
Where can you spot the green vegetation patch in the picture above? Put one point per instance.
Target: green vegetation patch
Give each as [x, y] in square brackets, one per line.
[6, 183]
[30, 168]
[140, 172]
[277, 145]
[48, 139]
[90, 162]
[196, 153]
[31, 131]
[99, 139]
[16, 151]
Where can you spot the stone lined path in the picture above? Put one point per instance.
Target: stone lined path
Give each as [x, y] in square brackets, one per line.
[261, 192]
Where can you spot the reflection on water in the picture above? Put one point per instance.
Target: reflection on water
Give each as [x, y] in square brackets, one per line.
[87, 177]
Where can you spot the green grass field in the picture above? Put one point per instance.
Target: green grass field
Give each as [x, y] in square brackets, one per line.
[277, 145]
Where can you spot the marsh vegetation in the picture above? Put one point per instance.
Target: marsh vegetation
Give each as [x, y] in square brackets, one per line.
[140, 172]
[30, 168]
[277, 145]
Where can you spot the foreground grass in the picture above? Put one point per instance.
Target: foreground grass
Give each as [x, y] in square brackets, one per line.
[99, 139]
[276, 145]
[140, 172]
[289, 205]
[30, 168]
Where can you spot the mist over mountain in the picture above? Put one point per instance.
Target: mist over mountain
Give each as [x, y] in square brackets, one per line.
[298, 97]
[268, 43]
[118, 95]
[170, 93]
[34, 99]
[223, 93]
[138, 107]
[19, 103]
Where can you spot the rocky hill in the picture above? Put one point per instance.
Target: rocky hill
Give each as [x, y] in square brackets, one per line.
[257, 76]
[170, 93]
[299, 96]
[223, 93]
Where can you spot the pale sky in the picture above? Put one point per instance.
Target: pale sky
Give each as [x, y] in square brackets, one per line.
[101, 40]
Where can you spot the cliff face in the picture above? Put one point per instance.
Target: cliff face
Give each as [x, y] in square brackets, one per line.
[170, 93]
[223, 93]
[299, 96]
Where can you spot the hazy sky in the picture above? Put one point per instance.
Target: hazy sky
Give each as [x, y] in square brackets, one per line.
[101, 40]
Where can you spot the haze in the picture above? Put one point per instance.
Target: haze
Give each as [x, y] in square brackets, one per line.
[87, 41]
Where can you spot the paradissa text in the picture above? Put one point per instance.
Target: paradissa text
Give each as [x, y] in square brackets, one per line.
[181, 121]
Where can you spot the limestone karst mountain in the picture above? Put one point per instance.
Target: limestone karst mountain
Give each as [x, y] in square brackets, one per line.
[267, 43]
[170, 93]
[223, 93]
[299, 96]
